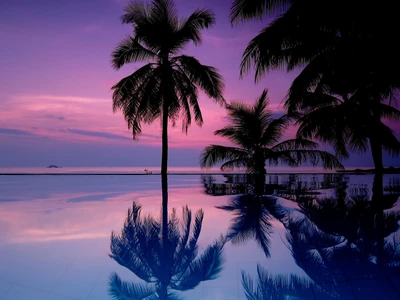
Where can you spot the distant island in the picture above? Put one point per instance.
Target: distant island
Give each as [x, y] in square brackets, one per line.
[53, 166]
[390, 170]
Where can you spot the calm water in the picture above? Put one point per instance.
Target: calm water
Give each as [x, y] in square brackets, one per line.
[153, 170]
[55, 238]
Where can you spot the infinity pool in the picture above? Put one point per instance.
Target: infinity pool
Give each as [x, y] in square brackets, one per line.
[308, 237]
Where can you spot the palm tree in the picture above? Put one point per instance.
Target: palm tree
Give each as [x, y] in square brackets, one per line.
[348, 121]
[257, 134]
[164, 260]
[338, 47]
[166, 87]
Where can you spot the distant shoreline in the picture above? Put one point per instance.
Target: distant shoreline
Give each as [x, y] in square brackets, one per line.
[390, 170]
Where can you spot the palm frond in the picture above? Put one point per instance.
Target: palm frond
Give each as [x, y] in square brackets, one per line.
[206, 77]
[189, 29]
[295, 144]
[136, 12]
[214, 154]
[297, 157]
[130, 50]
[270, 286]
[274, 130]
[243, 10]
[206, 267]
[138, 96]
[120, 290]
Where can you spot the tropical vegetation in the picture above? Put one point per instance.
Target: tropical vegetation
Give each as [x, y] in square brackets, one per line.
[339, 51]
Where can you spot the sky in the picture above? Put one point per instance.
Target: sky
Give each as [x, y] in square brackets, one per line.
[56, 79]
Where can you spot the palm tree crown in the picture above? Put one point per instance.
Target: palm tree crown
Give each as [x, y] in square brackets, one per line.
[257, 134]
[165, 261]
[350, 122]
[167, 86]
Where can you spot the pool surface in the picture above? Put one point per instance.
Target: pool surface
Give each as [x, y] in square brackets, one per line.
[306, 236]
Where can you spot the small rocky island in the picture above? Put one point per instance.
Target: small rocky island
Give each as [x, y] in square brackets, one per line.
[53, 167]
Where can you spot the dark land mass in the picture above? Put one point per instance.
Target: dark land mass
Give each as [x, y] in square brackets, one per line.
[390, 170]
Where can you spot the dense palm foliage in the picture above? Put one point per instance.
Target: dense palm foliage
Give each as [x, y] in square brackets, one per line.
[351, 122]
[339, 46]
[164, 260]
[257, 134]
[167, 86]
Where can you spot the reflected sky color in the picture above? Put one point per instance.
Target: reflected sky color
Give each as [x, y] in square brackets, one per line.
[59, 227]
[55, 235]
[56, 77]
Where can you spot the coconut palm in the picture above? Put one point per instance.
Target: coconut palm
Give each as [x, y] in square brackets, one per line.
[257, 135]
[164, 256]
[167, 86]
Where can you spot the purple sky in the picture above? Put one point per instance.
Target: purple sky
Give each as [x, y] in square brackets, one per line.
[55, 80]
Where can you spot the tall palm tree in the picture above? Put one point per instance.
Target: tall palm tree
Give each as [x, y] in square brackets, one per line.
[257, 134]
[339, 46]
[167, 260]
[167, 86]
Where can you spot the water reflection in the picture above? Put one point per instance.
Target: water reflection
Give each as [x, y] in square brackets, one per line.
[347, 242]
[253, 215]
[270, 286]
[163, 253]
[350, 239]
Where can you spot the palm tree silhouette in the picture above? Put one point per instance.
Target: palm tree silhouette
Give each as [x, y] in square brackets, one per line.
[340, 50]
[163, 253]
[257, 134]
[347, 121]
[167, 87]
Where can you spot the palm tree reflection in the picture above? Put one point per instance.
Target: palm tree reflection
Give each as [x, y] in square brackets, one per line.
[163, 253]
[347, 237]
[253, 216]
[277, 286]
